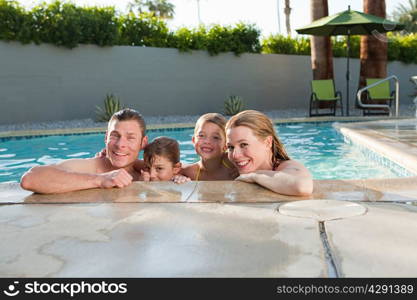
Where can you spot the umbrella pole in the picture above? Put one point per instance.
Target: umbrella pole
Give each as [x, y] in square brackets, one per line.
[347, 74]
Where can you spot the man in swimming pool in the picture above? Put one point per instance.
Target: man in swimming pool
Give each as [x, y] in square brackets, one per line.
[125, 138]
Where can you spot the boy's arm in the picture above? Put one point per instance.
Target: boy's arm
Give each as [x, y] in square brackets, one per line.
[72, 175]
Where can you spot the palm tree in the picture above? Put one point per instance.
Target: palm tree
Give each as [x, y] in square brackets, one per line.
[407, 15]
[287, 12]
[321, 47]
[159, 8]
[374, 50]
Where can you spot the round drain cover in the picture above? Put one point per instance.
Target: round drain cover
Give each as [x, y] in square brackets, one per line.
[322, 210]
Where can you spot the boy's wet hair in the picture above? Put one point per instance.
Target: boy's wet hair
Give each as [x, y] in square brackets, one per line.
[214, 118]
[128, 114]
[162, 146]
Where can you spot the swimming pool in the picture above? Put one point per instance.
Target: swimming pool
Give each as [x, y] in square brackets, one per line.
[319, 146]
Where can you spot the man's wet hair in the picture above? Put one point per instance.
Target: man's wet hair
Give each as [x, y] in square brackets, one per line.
[128, 114]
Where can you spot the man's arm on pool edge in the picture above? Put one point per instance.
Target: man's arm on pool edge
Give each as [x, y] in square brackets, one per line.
[72, 175]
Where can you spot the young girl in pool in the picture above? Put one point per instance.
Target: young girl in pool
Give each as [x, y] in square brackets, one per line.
[260, 157]
[209, 141]
[161, 160]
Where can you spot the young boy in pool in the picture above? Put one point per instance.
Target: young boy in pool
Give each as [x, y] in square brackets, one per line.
[162, 161]
[209, 141]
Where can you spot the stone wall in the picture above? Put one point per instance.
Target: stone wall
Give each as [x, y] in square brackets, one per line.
[45, 83]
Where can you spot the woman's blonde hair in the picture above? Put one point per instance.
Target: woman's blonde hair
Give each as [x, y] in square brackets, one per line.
[261, 127]
[214, 118]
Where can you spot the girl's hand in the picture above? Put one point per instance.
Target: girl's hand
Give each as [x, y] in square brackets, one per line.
[178, 179]
[146, 176]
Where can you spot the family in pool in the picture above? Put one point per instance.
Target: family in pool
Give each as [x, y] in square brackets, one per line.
[244, 148]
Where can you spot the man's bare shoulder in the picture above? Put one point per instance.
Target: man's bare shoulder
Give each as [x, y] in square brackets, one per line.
[139, 165]
[84, 165]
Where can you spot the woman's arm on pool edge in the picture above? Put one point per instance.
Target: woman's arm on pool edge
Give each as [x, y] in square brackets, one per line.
[290, 178]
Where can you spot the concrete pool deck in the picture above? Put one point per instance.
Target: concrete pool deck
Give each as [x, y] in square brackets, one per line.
[347, 228]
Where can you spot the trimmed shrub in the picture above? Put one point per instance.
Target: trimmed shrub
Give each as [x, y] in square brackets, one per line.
[12, 19]
[400, 47]
[407, 50]
[143, 30]
[67, 25]
[280, 44]
[189, 39]
[339, 46]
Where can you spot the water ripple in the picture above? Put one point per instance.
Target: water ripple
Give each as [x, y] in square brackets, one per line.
[320, 147]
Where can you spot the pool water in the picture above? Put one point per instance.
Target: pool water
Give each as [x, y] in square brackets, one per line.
[319, 146]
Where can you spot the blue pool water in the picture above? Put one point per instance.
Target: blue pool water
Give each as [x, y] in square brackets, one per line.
[318, 146]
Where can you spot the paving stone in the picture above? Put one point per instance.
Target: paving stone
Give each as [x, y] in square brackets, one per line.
[322, 210]
[157, 240]
[381, 243]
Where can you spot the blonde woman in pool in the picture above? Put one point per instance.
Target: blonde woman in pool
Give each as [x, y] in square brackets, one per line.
[209, 141]
[260, 157]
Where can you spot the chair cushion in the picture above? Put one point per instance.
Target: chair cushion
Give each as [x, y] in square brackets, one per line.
[324, 89]
[381, 91]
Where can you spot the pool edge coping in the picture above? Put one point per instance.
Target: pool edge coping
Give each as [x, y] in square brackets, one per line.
[389, 147]
[89, 130]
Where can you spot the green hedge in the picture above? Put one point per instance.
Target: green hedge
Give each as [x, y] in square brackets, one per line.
[142, 30]
[400, 48]
[239, 39]
[59, 24]
[403, 48]
[67, 25]
[280, 44]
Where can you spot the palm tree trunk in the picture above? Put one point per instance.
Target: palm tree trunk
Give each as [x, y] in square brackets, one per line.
[321, 47]
[287, 12]
[373, 50]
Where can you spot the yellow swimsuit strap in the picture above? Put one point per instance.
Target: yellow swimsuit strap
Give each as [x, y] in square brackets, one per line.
[225, 164]
[199, 170]
[198, 173]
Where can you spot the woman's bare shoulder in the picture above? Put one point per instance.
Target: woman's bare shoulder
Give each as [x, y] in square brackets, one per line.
[289, 165]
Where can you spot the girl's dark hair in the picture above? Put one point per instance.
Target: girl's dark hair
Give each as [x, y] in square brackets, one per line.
[162, 146]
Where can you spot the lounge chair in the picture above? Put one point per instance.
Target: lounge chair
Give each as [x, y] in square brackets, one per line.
[380, 94]
[324, 96]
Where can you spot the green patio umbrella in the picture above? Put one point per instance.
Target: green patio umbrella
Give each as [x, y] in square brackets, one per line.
[349, 23]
